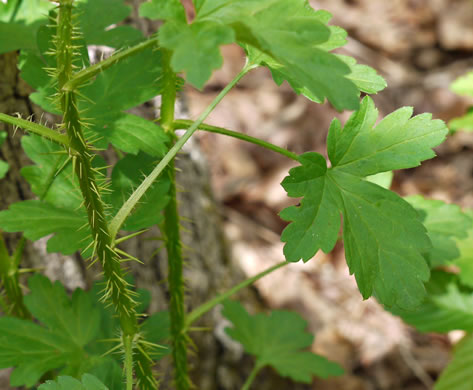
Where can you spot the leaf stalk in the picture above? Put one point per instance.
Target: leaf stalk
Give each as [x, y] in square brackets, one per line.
[185, 124]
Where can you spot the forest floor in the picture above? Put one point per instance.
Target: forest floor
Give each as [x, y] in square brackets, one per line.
[420, 47]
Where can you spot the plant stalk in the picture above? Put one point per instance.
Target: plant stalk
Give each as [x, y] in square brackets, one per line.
[9, 276]
[127, 343]
[205, 307]
[84, 75]
[36, 128]
[185, 124]
[116, 289]
[251, 378]
[171, 232]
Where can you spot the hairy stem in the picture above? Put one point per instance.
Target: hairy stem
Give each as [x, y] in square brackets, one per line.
[36, 128]
[185, 124]
[135, 197]
[205, 307]
[127, 343]
[85, 75]
[171, 232]
[116, 288]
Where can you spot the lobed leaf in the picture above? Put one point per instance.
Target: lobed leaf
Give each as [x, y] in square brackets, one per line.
[38, 219]
[67, 326]
[397, 142]
[197, 43]
[383, 235]
[73, 336]
[287, 36]
[278, 341]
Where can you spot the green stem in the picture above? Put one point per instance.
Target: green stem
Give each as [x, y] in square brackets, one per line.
[252, 377]
[9, 276]
[185, 124]
[135, 197]
[205, 307]
[81, 77]
[171, 231]
[116, 289]
[127, 343]
[36, 128]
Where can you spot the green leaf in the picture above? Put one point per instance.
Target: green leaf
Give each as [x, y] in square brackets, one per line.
[107, 369]
[448, 306]
[278, 340]
[397, 142]
[126, 176]
[444, 223]
[163, 10]
[465, 260]
[3, 164]
[318, 208]
[383, 235]
[19, 21]
[51, 178]
[98, 19]
[334, 74]
[74, 318]
[464, 122]
[383, 179]
[458, 373]
[130, 133]
[288, 36]
[463, 85]
[104, 101]
[364, 77]
[89, 382]
[67, 326]
[195, 47]
[38, 219]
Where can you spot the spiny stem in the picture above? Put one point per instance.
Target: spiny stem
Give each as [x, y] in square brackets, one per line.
[36, 128]
[117, 289]
[88, 73]
[252, 377]
[185, 124]
[171, 232]
[135, 197]
[205, 307]
[127, 343]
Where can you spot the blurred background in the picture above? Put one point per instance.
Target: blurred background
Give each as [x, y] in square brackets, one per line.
[420, 47]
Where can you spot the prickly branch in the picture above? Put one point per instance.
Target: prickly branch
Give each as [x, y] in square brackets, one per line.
[116, 289]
